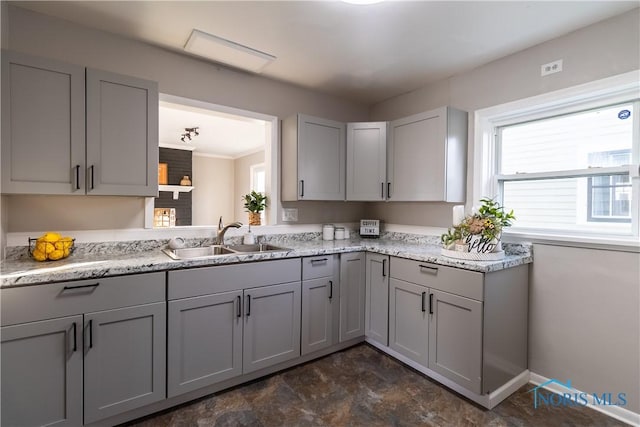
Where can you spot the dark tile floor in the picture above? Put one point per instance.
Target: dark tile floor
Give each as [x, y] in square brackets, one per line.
[362, 386]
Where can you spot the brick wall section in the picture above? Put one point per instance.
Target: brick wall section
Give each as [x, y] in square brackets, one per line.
[180, 164]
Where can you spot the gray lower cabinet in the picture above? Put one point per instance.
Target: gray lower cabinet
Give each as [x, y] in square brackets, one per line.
[455, 339]
[271, 325]
[352, 295]
[318, 313]
[209, 350]
[468, 327]
[377, 298]
[41, 376]
[409, 320]
[124, 359]
[94, 344]
[230, 320]
[320, 302]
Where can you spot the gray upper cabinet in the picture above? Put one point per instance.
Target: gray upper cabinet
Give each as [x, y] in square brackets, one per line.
[122, 135]
[42, 373]
[271, 325]
[455, 339]
[204, 341]
[352, 295]
[427, 155]
[313, 159]
[43, 126]
[366, 161]
[377, 298]
[124, 362]
[71, 130]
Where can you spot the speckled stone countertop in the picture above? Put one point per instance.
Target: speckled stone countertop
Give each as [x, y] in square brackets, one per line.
[93, 260]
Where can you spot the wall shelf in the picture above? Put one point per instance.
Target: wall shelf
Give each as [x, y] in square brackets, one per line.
[175, 189]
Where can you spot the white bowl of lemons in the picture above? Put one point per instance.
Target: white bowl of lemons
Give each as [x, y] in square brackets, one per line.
[50, 247]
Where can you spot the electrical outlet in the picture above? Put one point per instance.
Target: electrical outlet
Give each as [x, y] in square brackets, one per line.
[290, 214]
[551, 67]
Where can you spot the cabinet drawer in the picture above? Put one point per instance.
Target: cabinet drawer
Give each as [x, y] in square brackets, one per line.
[455, 280]
[225, 278]
[40, 302]
[318, 266]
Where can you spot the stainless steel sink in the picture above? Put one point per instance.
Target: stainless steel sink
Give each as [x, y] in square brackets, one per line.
[259, 247]
[216, 250]
[202, 252]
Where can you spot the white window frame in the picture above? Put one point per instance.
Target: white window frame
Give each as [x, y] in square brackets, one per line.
[612, 90]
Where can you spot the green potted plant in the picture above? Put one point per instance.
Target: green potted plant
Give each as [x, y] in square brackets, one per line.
[479, 232]
[254, 203]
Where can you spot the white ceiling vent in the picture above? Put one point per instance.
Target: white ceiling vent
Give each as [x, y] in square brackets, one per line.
[227, 52]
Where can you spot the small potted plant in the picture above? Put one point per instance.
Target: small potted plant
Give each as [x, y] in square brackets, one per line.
[479, 232]
[254, 203]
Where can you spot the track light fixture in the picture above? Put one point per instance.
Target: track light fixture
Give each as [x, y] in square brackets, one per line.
[189, 133]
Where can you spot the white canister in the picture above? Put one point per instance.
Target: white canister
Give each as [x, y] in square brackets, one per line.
[347, 233]
[339, 233]
[327, 232]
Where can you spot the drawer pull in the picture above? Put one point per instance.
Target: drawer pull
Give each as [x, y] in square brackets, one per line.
[69, 288]
[423, 295]
[239, 306]
[319, 260]
[430, 303]
[330, 289]
[433, 270]
[75, 337]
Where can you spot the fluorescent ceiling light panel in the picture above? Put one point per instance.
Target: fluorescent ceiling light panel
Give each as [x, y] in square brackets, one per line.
[227, 52]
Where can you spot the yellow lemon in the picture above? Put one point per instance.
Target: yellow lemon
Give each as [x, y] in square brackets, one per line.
[59, 244]
[57, 254]
[51, 237]
[39, 255]
[67, 242]
[66, 252]
[45, 247]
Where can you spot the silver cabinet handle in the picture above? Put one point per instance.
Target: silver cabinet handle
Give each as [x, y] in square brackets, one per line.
[432, 270]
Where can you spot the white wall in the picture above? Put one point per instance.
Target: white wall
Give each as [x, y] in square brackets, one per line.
[242, 183]
[584, 315]
[213, 190]
[179, 75]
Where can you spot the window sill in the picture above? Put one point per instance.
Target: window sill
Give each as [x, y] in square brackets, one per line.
[620, 244]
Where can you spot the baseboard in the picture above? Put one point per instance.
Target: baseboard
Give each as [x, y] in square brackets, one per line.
[489, 401]
[617, 412]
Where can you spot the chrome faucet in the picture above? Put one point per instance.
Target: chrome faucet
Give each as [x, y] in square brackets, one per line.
[223, 229]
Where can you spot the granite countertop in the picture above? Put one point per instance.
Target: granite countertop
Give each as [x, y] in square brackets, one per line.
[102, 260]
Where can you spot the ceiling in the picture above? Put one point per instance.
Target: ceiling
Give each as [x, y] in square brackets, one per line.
[366, 53]
[220, 134]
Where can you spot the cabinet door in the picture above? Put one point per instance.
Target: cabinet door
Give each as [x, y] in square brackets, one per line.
[271, 325]
[321, 159]
[125, 359]
[377, 298]
[409, 320]
[455, 339]
[417, 144]
[352, 295]
[43, 141]
[366, 161]
[42, 373]
[122, 135]
[319, 296]
[204, 341]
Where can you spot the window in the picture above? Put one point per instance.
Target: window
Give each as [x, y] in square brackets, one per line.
[567, 166]
[258, 183]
